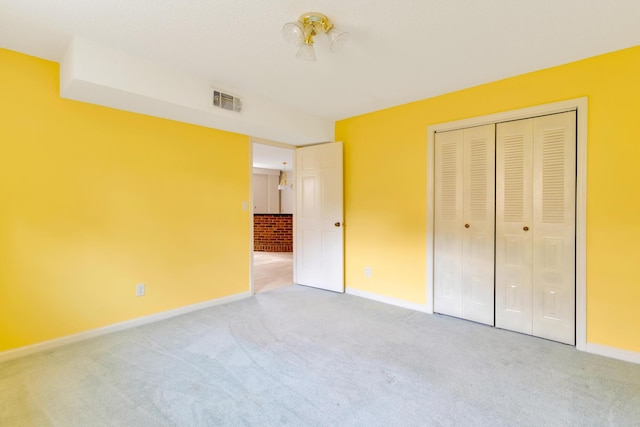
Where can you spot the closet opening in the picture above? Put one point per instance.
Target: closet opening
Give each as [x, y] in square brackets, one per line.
[506, 220]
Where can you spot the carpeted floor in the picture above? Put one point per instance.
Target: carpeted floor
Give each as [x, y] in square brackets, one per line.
[304, 357]
[272, 270]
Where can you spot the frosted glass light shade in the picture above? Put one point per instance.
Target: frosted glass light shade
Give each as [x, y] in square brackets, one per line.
[301, 33]
[306, 52]
[337, 39]
[293, 33]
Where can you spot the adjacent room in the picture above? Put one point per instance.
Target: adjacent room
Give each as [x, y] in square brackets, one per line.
[272, 185]
[319, 213]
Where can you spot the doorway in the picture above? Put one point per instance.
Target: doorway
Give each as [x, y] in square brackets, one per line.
[580, 107]
[272, 203]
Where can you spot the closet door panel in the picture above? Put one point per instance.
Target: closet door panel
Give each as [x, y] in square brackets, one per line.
[554, 227]
[448, 223]
[514, 212]
[479, 220]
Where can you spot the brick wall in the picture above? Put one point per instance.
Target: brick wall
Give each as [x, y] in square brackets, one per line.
[273, 232]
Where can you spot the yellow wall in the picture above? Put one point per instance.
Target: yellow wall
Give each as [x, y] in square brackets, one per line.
[385, 185]
[94, 200]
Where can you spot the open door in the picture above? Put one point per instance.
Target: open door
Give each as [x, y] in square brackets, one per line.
[319, 229]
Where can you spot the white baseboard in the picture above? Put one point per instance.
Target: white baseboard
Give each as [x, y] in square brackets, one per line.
[58, 342]
[388, 300]
[612, 352]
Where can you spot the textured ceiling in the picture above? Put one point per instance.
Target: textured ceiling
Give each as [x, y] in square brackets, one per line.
[399, 51]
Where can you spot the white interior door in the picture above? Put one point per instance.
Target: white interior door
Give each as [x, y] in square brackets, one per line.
[464, 223]
[479, 221]
[554, 216]
[448, 225]
[535, 226]
[514, 218]
[319, 238]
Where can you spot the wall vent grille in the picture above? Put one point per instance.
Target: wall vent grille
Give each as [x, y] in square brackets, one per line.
[226, 101]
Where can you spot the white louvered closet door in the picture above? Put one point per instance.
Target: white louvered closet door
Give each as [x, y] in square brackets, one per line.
[514, 216]
[479, 220]
[448, 223]
[464, 223]
[554, 177]
[535, 226]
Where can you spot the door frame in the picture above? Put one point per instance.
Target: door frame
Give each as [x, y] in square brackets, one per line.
[248, 205]
[579, 105]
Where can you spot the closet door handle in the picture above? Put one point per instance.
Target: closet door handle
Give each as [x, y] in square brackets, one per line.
[525, 228]
[467, 226]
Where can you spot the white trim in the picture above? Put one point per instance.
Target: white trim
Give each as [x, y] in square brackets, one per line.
[294, 219]
[69, 339]
[523, 113]
[387, 300]
[580, 106]
[581, 224]
[251, 218]
[430, 217]
[612, 352]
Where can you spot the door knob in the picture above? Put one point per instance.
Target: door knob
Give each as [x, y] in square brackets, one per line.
[525, 228]
[467, 226]
[337, 224]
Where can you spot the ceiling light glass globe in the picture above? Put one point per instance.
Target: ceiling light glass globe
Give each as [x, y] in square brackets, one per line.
[337, 39]
[306, 52]
[293, 33]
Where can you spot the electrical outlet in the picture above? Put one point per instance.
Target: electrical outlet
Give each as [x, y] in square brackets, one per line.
[367, 271]
[140, 290]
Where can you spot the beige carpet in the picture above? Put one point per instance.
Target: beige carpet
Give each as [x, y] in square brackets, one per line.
[272, 270]
[299, 356]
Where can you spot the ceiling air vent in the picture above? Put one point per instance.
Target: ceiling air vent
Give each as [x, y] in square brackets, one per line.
[226, 101]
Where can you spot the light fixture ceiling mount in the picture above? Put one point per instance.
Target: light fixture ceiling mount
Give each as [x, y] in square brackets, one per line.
[300, 33]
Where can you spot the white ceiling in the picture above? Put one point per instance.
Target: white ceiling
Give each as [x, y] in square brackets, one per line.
[399, 51]
[272, 157]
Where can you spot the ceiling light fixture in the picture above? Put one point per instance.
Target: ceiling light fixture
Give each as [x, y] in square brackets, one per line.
[300, 33]
[283, 183]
